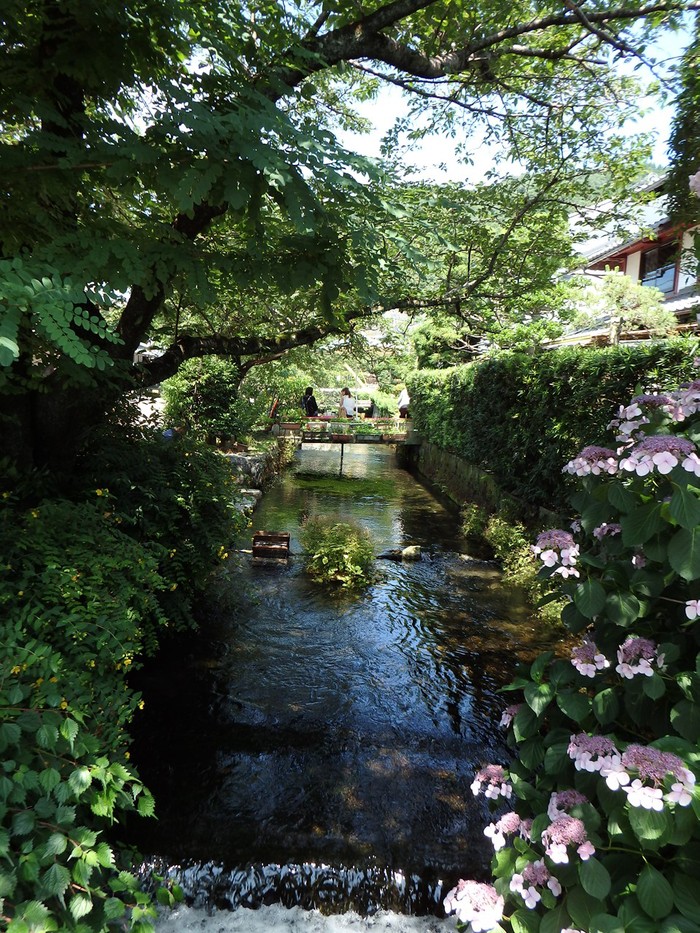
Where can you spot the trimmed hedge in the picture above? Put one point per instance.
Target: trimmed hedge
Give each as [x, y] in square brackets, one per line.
[521, 418]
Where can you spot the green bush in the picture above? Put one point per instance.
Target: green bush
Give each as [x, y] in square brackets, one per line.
[204, 398]
[602, 825]
[339, 553]
[86, 586]
[520, 417]
[178, 496]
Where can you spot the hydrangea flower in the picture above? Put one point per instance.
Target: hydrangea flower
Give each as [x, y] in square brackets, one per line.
[558, 547]
[566, 831]
[652, 768]
[496, 783]
[592, 459]
[562, 801]
[475, 903]
[639, 560]
[591, 752]
[692, 609]
[587, 659]
[509, 714]
[662, 452]
[636, 655]
[685, 402]
[497, 832]
[611, 528]
[535, 875]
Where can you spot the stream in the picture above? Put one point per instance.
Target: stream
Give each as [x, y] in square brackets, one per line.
[313, 750]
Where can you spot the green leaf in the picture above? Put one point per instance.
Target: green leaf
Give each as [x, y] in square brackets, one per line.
[80, 906]
[55, 880]
[589, 598]
[654, 686]
[555, 920]
[622, 608]
[641, 524]
[582, 907]
[606, 706]
[538, 697]
[525, 921]
[69, 730]
[649, 826]
[594, 878]
[576, 706]
[685, 719]
[79, 780]
[621, 497]
[684, 553]
[654, 893]
[686, 895]
[685, 507]
[605, 923]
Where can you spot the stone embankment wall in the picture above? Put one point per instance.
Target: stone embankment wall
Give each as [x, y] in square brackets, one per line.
[460, 481]
[253, 471]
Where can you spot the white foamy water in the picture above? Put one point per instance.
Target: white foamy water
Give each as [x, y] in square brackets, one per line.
[276, 919]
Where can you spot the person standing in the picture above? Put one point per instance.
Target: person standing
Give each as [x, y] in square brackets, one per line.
[348, 406]
[403, 403]
[309, 403]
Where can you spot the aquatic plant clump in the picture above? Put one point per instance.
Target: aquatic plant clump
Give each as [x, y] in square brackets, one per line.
[606, 741]
[338, 553]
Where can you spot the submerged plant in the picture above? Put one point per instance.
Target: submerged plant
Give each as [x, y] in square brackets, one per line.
[339, 553]
[602, 831]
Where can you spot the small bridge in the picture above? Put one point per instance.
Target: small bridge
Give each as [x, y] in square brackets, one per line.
[356, 431]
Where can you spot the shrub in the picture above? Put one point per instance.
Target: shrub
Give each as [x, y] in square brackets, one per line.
[520, 417]
[204, 397]
[339, 553]
[602, 829]
[179, 497]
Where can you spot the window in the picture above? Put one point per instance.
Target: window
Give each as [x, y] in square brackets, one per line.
[658, 267]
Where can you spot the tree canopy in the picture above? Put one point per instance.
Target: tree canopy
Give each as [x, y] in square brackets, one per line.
[171, 170]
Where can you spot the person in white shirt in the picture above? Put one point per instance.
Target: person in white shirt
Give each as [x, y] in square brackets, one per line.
[403, 403]
[348, 407]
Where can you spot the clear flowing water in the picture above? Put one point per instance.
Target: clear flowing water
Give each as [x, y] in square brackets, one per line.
[316, 749]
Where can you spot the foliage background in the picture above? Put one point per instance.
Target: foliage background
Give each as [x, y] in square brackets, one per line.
[521, 417]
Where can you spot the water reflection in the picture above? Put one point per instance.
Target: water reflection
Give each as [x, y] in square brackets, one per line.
[305, 728]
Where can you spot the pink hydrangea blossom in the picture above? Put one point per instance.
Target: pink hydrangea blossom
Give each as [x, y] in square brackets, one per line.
[636, 656]
[560, 802]
[587, 659]
[475, 903]
[534, 876]
[591, 752]
[652, 768]
[595, 460]
[639, 560]
[509, 714]
[557, 547]
[509, 823]
[662, 452]
[494, 777]
[525, 831]
[607, 528]
[692, 609]
[566, 831]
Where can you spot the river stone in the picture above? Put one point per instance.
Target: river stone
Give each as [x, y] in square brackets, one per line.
[412, 552]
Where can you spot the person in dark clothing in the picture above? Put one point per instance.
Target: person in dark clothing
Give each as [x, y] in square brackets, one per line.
[308, 403]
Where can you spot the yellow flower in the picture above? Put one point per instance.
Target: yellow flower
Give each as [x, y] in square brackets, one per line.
[53, 680]
[141, 704]
[173, 587]
[63, 704]
[127, 662]
[16, 669]
[21, 593]
[127, 755]
[38, 682]
[35, 513]
[6, 495]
